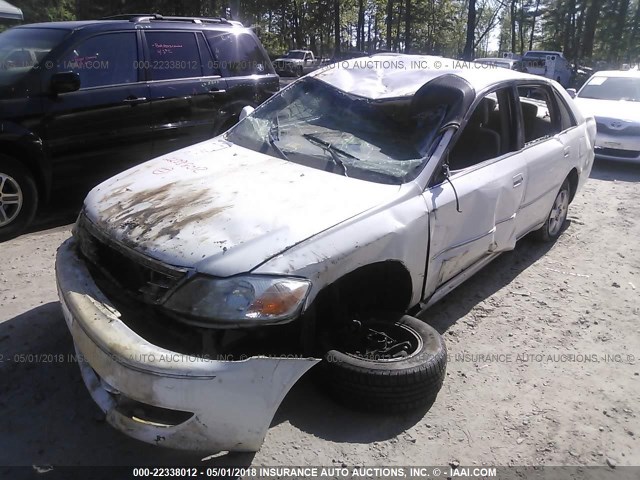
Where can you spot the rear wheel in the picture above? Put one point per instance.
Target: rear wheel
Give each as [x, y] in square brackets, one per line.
[557, 216]
[18, 198]
[388, 363]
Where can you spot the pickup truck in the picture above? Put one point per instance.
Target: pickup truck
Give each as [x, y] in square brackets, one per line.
[297, 63]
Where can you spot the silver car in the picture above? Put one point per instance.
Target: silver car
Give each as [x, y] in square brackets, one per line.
[200, 286]
[613, 98]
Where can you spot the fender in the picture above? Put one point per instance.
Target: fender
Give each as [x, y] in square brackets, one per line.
[27, 147]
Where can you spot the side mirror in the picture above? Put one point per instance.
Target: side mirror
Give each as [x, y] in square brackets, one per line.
[572, 92]
[247, 110]
[65, 82]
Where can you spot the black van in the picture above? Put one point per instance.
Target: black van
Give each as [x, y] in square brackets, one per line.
[81, 101]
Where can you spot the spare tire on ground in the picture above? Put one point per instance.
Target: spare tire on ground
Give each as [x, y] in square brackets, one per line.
[388, 363]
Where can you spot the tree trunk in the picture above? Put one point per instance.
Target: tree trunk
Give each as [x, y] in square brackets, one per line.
[389, 23]
[368, 48]
[360, 23]
[396, 44]
[407, 28]
[591, 21]
[513, 25]
[580, 30]
[336, 25]
[467, 53]
[618, 42]
[633, 38]
[533, 24]
[521, 29]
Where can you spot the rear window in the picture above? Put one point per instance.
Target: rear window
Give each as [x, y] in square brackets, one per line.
[238, 54]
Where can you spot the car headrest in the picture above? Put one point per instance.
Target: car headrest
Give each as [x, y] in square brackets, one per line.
[529, 110]
[480, 115]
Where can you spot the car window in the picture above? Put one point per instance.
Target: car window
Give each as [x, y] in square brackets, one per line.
[489, 132]
[539, 117]
[238, 54]
[567, 120]
[209, 65]
[108, 59]
[173, 55]
[21, 49]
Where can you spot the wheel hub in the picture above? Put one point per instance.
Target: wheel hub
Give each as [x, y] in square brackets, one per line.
[558, 212]
[11, 199]
[376, 340]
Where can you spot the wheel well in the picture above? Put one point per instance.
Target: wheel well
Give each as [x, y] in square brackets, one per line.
[383, 285]
[573, 183]
[21, 154]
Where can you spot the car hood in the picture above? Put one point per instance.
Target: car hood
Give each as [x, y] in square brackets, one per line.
[223, 209]
[618, 109]
[288, 60]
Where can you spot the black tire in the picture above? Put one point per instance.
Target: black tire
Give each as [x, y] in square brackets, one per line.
[554, 224]
[383, 385]
[16, 182]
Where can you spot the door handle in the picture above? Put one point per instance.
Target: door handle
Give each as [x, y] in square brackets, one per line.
[517, 180]
[215, 91]
[134, 100]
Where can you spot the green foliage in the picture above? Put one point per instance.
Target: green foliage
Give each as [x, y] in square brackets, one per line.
[434, 26]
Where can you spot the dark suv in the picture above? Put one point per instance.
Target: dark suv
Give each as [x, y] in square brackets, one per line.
[80, 101]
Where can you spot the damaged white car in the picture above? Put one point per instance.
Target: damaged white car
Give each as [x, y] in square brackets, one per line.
[200, 286]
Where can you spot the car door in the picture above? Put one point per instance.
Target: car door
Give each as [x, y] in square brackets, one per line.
[245, 65]
[472, 214]
[187, 92]
[104, 127]
[546, 150]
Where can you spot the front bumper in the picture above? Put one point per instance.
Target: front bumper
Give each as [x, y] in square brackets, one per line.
[163, 397]
[624, 148]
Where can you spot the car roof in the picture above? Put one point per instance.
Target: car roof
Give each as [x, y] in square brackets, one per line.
[108, 24]
[497, 59]
[617, 73]
[389, 76]
[543, 52]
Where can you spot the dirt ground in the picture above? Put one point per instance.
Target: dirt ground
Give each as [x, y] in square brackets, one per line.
[544, 366]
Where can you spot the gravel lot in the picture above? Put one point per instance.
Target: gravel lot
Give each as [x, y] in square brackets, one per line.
[544, 364]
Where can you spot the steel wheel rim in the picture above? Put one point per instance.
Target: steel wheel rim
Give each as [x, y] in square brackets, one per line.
[11, 199]
[558, 212]
[400, 333]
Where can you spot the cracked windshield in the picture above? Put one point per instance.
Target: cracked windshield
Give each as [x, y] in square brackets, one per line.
[317, 125]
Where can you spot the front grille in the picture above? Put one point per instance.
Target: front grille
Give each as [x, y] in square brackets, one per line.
[616, 152]
[139, 276]
[623, 132]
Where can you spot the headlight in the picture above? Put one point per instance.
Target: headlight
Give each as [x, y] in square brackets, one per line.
[241, 301]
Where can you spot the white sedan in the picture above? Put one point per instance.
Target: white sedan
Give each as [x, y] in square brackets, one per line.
[613, 98]
[200, 286]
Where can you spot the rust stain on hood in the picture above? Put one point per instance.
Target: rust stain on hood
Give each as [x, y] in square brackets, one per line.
[225, 210]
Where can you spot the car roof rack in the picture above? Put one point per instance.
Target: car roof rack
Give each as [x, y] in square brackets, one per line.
[149, 17]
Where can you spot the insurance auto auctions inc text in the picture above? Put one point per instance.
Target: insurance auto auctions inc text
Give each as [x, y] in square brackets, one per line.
[375, 472]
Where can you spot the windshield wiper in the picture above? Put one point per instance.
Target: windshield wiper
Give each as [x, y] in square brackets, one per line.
[333, 151]
[272, 139]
